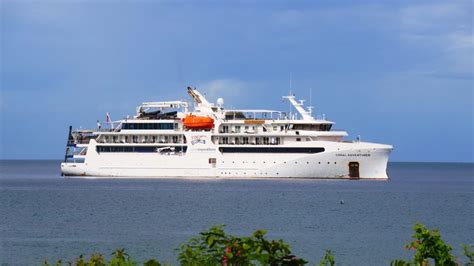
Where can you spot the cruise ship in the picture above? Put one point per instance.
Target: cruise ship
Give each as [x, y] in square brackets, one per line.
[200, 139]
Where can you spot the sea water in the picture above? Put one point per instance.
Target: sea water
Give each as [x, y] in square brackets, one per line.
[44, 216]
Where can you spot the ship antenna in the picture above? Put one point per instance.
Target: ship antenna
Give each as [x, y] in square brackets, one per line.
[291, 85]
[291, 93]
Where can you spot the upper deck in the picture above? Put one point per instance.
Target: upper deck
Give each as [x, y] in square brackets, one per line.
[167, 118]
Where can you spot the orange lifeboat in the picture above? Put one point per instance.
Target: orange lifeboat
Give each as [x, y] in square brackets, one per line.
[198, 122]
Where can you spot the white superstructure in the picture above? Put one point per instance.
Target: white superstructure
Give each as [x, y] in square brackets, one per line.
[167, 139]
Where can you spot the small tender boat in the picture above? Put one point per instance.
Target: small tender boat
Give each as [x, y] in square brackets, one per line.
[198, 122]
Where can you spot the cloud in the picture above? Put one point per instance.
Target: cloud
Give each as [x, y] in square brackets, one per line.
[428, 17]
[444, 30]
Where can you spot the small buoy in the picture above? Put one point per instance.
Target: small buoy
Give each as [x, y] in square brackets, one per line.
[342, 201]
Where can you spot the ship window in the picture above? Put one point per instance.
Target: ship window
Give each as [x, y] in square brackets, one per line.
[136, 149]
[237, 129]
[298, 139]
[275, 128]
[237, 141]
[147, 126]
[246, 140]
[271, 150]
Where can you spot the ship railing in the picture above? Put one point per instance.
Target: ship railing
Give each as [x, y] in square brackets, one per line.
[107, 129]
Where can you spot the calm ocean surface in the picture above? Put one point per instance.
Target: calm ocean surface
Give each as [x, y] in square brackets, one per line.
[44, 216]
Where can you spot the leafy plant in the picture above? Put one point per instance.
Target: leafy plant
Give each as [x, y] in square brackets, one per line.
[469, 253]
[119, 258]
[328, 259]
[427, 244]
[214, 247]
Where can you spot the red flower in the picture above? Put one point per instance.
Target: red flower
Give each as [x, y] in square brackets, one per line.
[228, 250]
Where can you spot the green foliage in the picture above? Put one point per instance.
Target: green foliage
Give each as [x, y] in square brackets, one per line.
[328, 259]
[119, 258]
[427, 244]
[469, 253]
[152, 262]
[214, 247]
[400, 263]
[97, 259]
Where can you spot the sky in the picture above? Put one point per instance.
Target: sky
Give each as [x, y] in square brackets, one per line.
[395, 72]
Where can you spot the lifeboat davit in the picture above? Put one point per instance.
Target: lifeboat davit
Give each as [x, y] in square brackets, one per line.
[198, 122]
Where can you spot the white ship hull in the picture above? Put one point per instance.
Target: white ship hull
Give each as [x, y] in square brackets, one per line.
[332, 163]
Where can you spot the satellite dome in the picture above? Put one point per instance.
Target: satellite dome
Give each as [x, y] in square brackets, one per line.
[220, 102]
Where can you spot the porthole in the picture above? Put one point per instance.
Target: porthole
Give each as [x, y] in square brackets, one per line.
[307, 162]
[334, 162]
[319, 162]
[328, 162]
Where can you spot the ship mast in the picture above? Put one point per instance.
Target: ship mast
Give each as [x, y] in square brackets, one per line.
[306, 115]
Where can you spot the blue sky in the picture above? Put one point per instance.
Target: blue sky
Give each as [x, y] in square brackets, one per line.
[397, 72]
